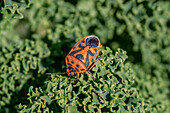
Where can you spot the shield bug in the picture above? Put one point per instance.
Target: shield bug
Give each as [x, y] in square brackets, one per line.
[82, 56]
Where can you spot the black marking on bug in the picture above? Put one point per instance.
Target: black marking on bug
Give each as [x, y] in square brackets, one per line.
[82, 69]
[74, 47]
[67, 59]
[92, 42]
[74, 52]
[89, 52]
[77, 65]
[69, 64]
[72, 62]
[78, 44]
[80, 57]
[95, 50]
[77, 69]
[87, 59]
[94, 55]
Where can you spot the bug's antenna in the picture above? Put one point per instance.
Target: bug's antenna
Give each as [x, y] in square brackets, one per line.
[56, 73]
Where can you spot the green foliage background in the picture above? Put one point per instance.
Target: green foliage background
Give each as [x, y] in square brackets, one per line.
[133, 76]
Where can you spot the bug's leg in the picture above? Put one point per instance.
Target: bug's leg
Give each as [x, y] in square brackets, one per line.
[77, 78]
[89, 75]
[95, 63]
[56, 73]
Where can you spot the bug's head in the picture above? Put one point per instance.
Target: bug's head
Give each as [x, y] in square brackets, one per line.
[71, 71]
[92, 41]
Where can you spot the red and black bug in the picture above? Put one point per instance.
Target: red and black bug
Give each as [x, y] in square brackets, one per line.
[82, 56]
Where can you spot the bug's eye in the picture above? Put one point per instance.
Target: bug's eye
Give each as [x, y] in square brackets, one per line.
[92, 42]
